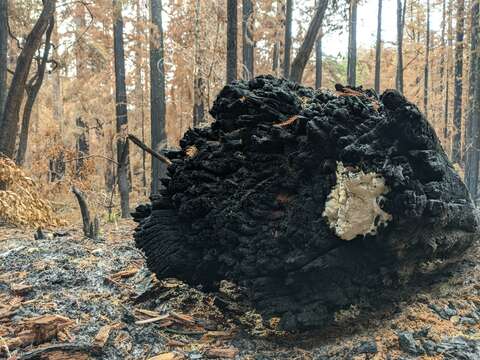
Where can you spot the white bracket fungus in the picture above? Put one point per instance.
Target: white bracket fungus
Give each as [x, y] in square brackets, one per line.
[352, 206]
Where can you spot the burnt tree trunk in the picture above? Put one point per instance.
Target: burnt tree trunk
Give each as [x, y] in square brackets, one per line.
[139, 89]
[158, 108]
[446, 107]
[318, 61]
[352, 44]
[198, 85]
[248, 42]
[82, 145]
[32, 88]
[121, 111]
[458, 84]
[400, 26]
[311, 201]
[11, 115]
[287, 42]
[378, 48]
[443, 59]
[426, 70]
[3, 55]
[472, 137]
[231, 40]
[303, 54]
[277, 44]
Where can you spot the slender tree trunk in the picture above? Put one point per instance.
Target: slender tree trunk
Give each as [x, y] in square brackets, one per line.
[11, 115]
[318, 61]
[198, 82]
[446, 112]
[276, 45]
[378, 48]
[57, 162]
[426, 70]
[139, 89]
[82, 144]
[231, 40]
[288, 38]
[32, 89]
[443, 60]
[458, 88]
[473, 127]
[352, 44]
[248, 42]
[57, 88]
[3, 54]
[400, 26]
[121, 110]
[83, 133]
[157, 92]
[79, 50]
[303, 55]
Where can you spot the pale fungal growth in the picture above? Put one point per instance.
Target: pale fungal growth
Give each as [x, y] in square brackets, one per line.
[352, 207]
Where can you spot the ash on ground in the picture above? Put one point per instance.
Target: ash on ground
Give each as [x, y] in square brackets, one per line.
[68, 297]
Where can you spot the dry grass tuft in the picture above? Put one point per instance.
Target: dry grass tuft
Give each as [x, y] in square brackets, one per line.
[20, 203]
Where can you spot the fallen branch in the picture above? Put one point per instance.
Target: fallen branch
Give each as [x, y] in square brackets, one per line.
[144, 147]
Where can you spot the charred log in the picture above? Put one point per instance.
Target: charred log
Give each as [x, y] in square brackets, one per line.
[310, 200]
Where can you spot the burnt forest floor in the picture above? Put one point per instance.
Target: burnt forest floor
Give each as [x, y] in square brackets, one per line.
[68, 297]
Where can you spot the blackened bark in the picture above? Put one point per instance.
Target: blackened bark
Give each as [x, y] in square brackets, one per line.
[287, 52]
[352, 44]
[426, 70]
[157, 91]
[139, 88]
[198, 82]
[231, 40]
[318, 61]
[121, 111]
[443, 60]
[400, 26]
[3, 54]
[303, 54]
[378, 48]
[256, 219]
[11, 115]
[32, 88]
[472, 137]
[248, 42]
[275, 57]
[276, 45]
[91, 228]
[82, 144]
[56, 167]
[458, 88]
[446, 116]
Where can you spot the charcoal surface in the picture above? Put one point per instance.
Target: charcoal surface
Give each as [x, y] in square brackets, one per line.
[245, 199]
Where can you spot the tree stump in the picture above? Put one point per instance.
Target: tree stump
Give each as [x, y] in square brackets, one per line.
[311, 200]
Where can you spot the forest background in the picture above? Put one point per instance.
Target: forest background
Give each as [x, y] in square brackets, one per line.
[103, 69]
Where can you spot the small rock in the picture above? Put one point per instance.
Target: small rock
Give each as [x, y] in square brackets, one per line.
[429, 347]
[367, 347]
[422, 333]
[468, 321]
[407, 343]
[445, 313]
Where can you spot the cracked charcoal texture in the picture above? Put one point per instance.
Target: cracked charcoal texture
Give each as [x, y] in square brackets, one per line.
[244, 198]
